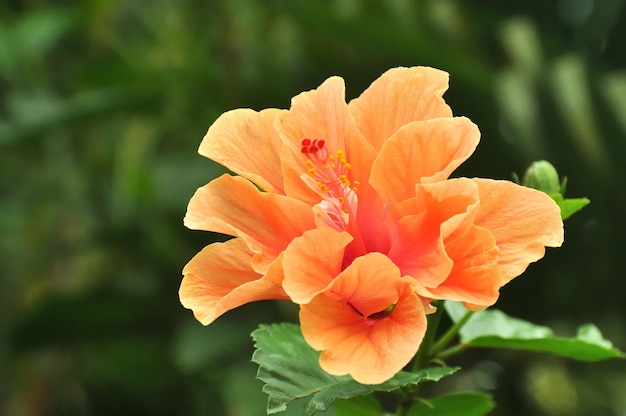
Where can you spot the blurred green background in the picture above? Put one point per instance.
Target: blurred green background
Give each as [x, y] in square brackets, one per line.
[103, 104]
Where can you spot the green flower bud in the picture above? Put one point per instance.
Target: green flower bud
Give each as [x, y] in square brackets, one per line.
[543, 176]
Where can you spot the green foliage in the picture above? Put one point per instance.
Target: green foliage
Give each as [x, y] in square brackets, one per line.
[361, 405]
[289, 368]
[569, 206]
[103, 104]
[541, 175]
[494, 329]
[460, 404]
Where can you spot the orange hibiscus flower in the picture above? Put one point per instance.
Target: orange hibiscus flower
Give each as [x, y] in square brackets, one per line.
[348, 211]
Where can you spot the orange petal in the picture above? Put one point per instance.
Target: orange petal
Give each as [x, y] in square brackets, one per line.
[523, 222]
[422, 152]
[475, 278]
[246, 142]
[220, 278]
[419, 250]
[312, 261]
[337, 323]
[321, 114]
[233, 205]
[398, 97]
[441, 211]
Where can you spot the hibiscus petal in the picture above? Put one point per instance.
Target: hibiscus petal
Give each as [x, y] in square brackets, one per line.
[321, 114]
[523, 222]
[337, 323]
[246, 142]
[312, 261]
[419, 250]
[398, 97]
[220, 278]
[475, 277]
[233, 205]
[422, 152]
[440, 212]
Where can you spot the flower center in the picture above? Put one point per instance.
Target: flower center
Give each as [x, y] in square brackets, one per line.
[327, 174]
[376, 316]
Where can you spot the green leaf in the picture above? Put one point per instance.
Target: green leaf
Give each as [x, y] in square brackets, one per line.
[494, 329]
[362, 406]
[461, 404]
[569, 206]
[289, 368]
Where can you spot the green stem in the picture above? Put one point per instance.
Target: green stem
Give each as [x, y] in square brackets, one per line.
[454, 350]
[421, 359]
[430, 349]
[424, 353]
[450, 334]
[403, 411]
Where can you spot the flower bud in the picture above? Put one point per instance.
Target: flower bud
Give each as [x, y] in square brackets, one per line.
[541, 175]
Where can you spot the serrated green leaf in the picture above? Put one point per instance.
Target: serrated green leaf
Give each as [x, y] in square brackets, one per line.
[494, 329]
[289, 368]
[461, 404]
[569, 206]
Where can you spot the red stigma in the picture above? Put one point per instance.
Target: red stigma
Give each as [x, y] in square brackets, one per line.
[311, 146]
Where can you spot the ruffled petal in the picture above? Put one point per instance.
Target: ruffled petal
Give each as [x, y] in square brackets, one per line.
[422, 152]
[246, 142]
[321, 114]
[440, 212]
[523, 222]
[419, 250]
[398, 97]
[220, 278]
[475, 277]
[233, 205]
[349, 324]
[312, 261]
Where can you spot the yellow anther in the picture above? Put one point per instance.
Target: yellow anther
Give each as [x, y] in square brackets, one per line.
[330, 174]
[343, 179]
[357, 183]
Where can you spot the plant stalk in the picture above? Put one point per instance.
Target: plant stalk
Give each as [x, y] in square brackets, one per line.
[450, 334]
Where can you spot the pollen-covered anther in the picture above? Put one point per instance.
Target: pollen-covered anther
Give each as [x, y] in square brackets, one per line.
[323, 187]
[340, 155]
[343, 180]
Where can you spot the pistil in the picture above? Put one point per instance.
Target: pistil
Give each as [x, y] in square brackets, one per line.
[328, 175]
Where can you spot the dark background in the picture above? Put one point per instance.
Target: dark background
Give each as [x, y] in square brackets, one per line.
[103, 104]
